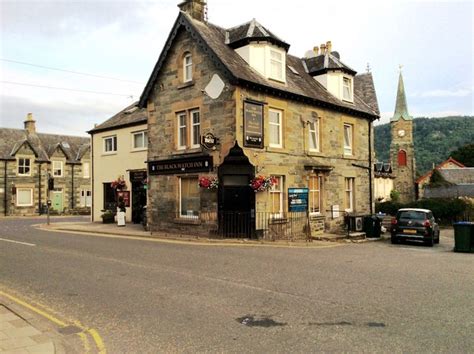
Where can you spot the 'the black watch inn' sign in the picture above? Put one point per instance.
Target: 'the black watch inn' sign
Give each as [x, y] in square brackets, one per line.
[253, 125]
[182, 165]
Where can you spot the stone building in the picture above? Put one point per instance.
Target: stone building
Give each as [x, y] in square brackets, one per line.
[383, 181]
[402, 150]
[230, 108]
[29, 158]
[119, 151]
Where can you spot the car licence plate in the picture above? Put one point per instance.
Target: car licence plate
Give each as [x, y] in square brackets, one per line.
[409, 231]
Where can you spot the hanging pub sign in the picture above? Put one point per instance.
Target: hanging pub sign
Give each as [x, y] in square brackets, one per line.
[297, 199]
[209, 141]
[181, 165]
[253, 125]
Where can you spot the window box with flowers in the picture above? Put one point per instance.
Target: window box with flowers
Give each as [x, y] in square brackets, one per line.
[209, 183]
[262, 183]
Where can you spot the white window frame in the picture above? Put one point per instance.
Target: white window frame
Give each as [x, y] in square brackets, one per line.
[144, 134]
[180, 199]
[279, 125]
[273, 190]
[349, 183]
[279, 62]
[348, 145]
[182, 144]
[24, 166]
[195, 127]
[188, 63]
[55, 168]
[347, 83]
[314, 191]
[83, 198]
[18, 194]
[86, 172]
[114, 144]
[313, 130]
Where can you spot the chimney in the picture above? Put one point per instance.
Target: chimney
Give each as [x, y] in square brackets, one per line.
[197, 9]
[30, 126]
[316, 50]
[323, 48]
[329, 46]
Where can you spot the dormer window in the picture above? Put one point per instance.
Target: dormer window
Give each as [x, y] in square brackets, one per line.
[347, 89]
[187, 68]
[276, 65]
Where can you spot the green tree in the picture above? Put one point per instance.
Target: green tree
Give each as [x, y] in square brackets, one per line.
[465, 155]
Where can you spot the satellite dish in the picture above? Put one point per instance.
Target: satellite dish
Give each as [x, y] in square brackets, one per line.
[215, 87]
[309, 54]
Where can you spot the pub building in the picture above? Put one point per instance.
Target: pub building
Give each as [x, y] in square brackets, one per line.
[244, 136]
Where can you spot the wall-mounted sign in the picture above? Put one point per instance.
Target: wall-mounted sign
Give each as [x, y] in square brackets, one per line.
[209, 141]
[181, 165]
[253, 125]
[298, 199]
[138, 176]
[125, 195]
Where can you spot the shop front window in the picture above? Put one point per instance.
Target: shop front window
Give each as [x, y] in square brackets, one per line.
[189, 201]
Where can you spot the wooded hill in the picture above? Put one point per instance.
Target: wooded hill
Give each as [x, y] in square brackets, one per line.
[434, 138]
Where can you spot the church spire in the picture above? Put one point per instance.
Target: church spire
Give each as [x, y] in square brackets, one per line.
[401, 108]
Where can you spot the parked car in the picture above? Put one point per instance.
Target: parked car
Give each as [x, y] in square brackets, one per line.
[415, 224]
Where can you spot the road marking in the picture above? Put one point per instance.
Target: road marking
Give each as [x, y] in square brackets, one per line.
[21, 243]
[99, 343]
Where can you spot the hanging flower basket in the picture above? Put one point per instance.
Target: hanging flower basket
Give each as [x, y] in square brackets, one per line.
[208, 182]
[262, 183]
[119, 184]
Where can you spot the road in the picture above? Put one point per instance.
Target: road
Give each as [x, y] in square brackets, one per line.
[148, 297]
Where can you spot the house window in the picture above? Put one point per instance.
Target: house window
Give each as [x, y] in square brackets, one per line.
[140, 140]
[110, 144]
[347, 89]
[189, 201]
[57, 169]
[314, 186]
[402, 158]
[86, 169]
[275, 127]
[109, 197]
[349, 194]
[196, 128]
[276, 65]
[276, 197]
[188, 129]
[314, 135]
[86, 198]
[187, 68]
[24, 197]
[24, 167]
[348, 139]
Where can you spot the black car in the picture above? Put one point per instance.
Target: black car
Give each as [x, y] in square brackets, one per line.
[415, 224]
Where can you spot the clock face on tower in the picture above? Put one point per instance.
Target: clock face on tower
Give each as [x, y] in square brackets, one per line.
[401, 133]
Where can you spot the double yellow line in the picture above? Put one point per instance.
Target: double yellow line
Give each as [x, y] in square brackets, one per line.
[85, 332]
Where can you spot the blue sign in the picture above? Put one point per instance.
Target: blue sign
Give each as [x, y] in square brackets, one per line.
[298, 199]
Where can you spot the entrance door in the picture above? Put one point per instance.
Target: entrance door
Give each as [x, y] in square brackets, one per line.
[138, 201]
[237, 217]
[57, 200]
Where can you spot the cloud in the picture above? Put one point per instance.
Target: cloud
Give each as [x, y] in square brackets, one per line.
[444, 93]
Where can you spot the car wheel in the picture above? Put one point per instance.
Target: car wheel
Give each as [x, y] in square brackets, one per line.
[437, 239]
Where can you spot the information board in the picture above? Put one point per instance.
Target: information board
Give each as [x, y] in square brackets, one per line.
[298, 199]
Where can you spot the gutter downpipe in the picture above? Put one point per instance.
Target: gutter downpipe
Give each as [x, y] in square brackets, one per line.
[72, 187]
[370, 167]
[40, 210]
[5, 199]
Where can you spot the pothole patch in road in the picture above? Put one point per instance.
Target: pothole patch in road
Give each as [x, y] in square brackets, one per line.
[375, 324]
[341, 323]
[266, 322]
[69, 330]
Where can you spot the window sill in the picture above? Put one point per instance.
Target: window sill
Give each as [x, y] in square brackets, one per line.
[187, 151]
[186, 84]
[348, 101]
[187, 221]
[139, 150]
[314, 153]
[109, 153]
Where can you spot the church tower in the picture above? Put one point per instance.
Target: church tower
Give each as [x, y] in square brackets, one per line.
[402, 151]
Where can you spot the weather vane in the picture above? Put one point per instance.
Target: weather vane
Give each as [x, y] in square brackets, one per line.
[368, 68]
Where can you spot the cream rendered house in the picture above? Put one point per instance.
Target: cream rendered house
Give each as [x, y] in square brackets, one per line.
[119, 152]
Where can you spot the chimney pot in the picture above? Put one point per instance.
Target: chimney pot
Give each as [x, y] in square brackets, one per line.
[316, 50]
[329, 46]
[197, 9]
[30, 125]
[323, 48]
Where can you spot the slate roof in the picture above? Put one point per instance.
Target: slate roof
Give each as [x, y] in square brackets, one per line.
[439, 167]
[251, 31]
[323, 63]
[302, 86]
[456, 191]
[364, 88]
[129, 116]
[43, 145]
[458, 175]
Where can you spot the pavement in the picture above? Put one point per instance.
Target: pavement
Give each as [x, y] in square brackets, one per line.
[134, 230]
[17, 335]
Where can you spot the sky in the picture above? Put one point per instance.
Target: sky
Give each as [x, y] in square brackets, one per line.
[107, 50]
